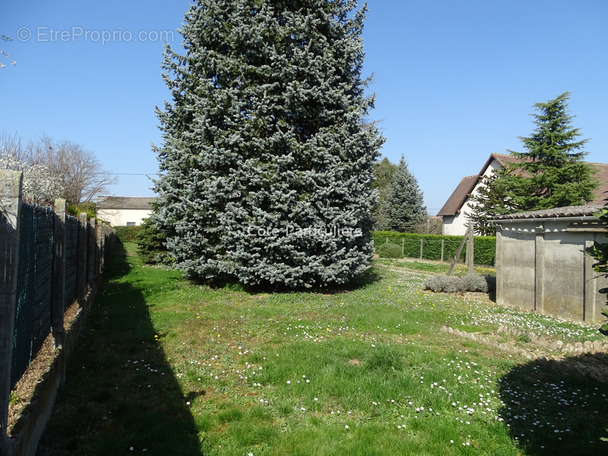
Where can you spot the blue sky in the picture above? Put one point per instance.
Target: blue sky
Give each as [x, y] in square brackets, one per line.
[454, 80]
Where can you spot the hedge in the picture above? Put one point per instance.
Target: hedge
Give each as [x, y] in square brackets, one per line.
[485, 246]
[127, 233]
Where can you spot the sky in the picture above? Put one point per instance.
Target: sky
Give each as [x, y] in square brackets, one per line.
[454, 80]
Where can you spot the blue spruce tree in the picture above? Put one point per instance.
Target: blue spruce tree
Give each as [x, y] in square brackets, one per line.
[404, 206]
[266, 163]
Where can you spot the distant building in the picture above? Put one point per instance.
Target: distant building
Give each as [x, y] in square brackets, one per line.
[124, 210]
[457, 209]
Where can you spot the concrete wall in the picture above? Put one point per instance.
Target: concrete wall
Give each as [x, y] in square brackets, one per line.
[121, 217]
[541, 265]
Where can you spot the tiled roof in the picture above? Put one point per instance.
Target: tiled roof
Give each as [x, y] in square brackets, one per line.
[124, 202]
[455, 202]
[570, 211]
[459, 196]
[602, 175]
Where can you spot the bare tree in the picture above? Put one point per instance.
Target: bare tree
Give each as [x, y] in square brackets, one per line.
[77, 171]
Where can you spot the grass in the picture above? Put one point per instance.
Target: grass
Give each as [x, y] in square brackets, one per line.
[171, 367]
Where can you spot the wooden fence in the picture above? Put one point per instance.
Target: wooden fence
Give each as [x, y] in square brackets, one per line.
[49, 262]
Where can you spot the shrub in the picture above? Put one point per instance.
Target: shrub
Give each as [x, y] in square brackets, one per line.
[445, 284]
[450, 284]
[388, 250]
[151, 244]
[475, 283]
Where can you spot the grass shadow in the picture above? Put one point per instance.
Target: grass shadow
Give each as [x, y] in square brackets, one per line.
[558, 407]
[120, 395]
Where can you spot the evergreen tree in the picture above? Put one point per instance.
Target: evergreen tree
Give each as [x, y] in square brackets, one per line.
[490, 199]
[383, 175]
[551, 173]
[266, 163]
[404, 207]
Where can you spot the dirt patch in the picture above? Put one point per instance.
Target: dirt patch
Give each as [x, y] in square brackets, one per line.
[23, 392]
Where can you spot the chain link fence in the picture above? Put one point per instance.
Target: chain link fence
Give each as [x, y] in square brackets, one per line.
[34, 282]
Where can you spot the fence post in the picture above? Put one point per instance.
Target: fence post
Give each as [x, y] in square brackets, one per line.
[402, 247]
[442, 245]
[58, 285]
[421, 247]
[82, 258]
[471, 251]
[457, 256]
[91, 254]
[10, 208]
[99, 234]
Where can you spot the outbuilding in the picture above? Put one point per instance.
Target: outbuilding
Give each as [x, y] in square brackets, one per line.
[542, 264]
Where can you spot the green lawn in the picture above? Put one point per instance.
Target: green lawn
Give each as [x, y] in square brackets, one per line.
[167, 367]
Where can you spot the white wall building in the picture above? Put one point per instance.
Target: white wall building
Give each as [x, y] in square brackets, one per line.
[124, 210]
[455, 212]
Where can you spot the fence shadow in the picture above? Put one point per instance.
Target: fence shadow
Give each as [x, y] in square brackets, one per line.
[120, 395]
[558, 407]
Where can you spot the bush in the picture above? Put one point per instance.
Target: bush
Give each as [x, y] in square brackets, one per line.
[151, 244]
[475, 283]
[388, 250]
[450, 284]
[127, 233]
[445, 284]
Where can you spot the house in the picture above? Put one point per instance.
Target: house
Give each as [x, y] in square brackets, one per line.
[124, 210]
[456, 210]
[541, 263]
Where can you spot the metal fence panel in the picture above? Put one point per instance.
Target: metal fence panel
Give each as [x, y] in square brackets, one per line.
[34, 285]
[71, 259]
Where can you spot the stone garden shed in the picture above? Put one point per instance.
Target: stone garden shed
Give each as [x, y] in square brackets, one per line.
[541, 264]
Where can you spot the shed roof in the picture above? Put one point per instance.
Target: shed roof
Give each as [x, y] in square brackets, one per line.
[558, 212]
[124, 202]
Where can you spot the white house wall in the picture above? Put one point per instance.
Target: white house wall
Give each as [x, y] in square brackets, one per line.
[123, 217]
[457, 225]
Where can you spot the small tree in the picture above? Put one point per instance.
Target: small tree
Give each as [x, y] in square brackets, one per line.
[551, 173]
[404, 206]
[383, 175]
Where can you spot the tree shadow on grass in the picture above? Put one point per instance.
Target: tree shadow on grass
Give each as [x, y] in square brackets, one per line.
[120, 395]
[558, 407]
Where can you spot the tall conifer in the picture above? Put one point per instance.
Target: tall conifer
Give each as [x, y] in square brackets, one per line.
[404, 207]
[551, 172]
[266, 164]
